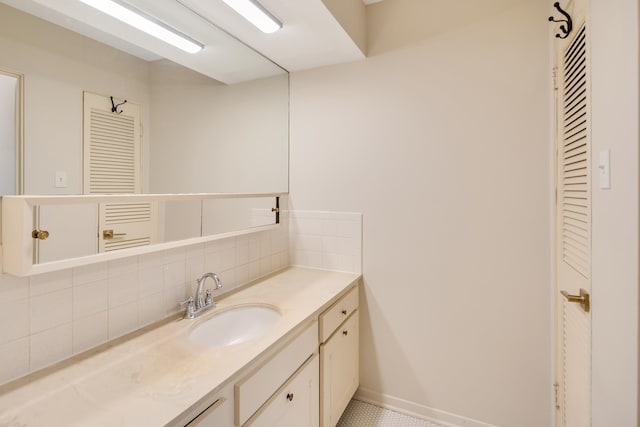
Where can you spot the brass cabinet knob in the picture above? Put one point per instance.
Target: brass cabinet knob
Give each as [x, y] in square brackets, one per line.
[344, 312]
[289, 397]
[345, 332]
[40, 234]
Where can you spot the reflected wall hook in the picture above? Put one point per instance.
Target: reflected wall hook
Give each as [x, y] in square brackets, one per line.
[114, 106]
[564, 29]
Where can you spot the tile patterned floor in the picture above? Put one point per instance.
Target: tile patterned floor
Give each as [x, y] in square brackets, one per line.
[361, 414]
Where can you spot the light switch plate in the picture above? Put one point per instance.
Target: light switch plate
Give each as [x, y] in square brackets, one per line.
[61, 180]
[604, 169]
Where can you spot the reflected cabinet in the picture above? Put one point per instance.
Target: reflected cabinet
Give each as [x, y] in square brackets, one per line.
[46, 233]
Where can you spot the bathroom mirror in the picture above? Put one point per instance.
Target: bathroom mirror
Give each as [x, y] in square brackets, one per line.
[197, 134]
[10, 133]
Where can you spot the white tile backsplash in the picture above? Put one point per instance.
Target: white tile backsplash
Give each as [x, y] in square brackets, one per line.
[327, 240]
[49, 317]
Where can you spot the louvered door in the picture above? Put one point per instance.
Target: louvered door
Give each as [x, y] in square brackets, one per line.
[573, 226]
[112, 165]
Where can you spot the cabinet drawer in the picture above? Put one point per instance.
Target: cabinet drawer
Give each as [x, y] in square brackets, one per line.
[252, 392]
[295, 404]
[337, 313]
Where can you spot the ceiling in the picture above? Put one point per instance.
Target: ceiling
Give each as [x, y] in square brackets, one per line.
[310, 37]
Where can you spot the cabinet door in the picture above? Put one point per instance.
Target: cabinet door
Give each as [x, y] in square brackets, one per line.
[339, 371]
[295, 404]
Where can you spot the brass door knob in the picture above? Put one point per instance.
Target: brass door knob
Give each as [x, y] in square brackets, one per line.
[583, 299]
[40, 234]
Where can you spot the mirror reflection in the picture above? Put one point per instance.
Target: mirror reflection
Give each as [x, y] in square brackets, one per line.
[194, 133]
[110, 226]
[10, 97]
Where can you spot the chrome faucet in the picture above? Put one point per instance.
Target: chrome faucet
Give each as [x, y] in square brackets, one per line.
[198, 304]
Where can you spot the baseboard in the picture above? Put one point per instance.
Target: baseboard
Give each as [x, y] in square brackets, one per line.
[416, 410]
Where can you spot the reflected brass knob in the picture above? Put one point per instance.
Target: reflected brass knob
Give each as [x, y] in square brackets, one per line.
[40, 234]
[289, 397]
[584, 299]
[109, 234]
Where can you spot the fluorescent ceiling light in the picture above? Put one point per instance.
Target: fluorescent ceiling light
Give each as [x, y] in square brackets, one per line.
[149, 25]
[253, 12]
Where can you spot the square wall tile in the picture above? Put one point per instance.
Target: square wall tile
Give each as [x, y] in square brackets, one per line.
[194, 268]
[14, 320]
[90, 298]
[174, 255]
[150, 309]
[174, 274]
[149, 281]
[51, 346]
[13, 288]
[123, 319]
[51, 310]
[123, 267]
[90, 331]
[151, 260]
[90, 273]
[123, 289]
[50, 282]
[14, 359]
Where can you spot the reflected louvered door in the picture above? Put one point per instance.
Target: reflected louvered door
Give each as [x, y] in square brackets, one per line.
[127, 225]
[112, 165]
[573, 226]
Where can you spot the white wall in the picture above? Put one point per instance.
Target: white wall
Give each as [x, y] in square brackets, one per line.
[614, 33]
[441, 138]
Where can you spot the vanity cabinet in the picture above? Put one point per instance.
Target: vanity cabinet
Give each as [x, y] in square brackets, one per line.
[339, 357]
[295, 404]
[258, 395]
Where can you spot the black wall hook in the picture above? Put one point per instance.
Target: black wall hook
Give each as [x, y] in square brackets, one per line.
[564, 29]
[114, 106]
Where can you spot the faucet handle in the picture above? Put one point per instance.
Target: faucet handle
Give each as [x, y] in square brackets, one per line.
[187, 301]
[208, 299]
[191, 308]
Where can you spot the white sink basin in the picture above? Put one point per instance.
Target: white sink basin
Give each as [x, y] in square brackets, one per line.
[235, 326]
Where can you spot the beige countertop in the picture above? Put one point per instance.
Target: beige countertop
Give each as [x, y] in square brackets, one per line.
[151, 378]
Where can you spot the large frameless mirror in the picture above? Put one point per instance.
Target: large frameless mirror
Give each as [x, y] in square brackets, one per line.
[10, 133]
[212, 122]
